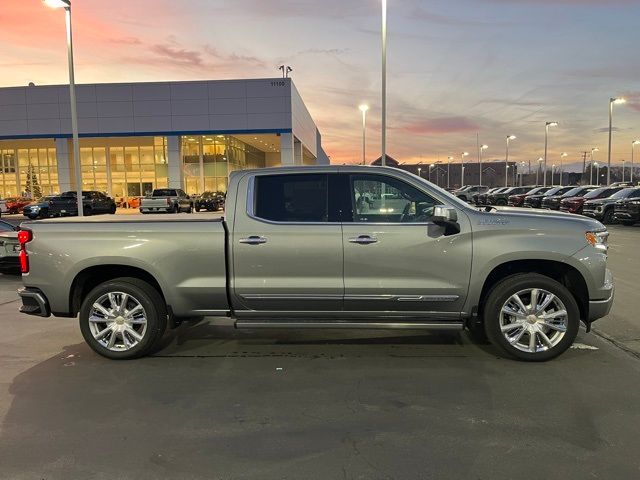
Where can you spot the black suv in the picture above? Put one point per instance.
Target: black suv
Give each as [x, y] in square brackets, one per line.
[210, 201]
[93, 203]
[535, 201]
[627, 211]
[552, 202]
[502, 197]
[603, 209]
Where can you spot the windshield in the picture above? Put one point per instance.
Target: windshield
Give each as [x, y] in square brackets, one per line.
[597, 192]
[624, 193]
[573, 192]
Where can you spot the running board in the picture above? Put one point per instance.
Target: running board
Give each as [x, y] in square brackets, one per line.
[349, 325]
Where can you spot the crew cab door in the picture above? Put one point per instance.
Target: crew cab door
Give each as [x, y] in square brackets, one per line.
[287, 251]
[395, 258]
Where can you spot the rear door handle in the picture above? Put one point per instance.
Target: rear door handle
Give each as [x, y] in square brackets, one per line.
[253, 240]
[363, 240]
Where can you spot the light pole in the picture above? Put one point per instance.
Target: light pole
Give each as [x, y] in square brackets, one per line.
[522, 164]
[546, 144]
[482, 149]
[66, 4]
[506, 160]
[449, 170]
[623, 162]
[633, 147]
[553, 169]
[563, 155]
[593, 150]
[419, 170]
[363, 109]
[612, 102]
[597, 172]
[431, 168]
[384, 83]
[462, 155]
[540, 159]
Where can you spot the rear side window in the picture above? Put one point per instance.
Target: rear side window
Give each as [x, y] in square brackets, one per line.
[292, 198]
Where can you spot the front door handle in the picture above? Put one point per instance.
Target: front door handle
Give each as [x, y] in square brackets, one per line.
[253, 240]
[363, 240]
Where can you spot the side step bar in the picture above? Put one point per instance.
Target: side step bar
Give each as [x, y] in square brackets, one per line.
[337, 324]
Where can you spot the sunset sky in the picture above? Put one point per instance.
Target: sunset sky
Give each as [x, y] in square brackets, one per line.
[456, 68]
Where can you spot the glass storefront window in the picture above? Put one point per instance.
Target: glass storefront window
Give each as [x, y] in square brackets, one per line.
[24, 169]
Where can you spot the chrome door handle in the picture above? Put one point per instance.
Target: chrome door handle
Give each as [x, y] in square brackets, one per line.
[253, 240]
[363, 240]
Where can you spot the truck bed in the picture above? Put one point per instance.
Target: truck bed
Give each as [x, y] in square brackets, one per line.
[184, 254]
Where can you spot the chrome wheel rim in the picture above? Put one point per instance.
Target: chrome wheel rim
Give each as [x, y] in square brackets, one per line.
[118, 321]
[533, 320]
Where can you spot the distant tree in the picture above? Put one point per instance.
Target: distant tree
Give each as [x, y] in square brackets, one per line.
[33, 183]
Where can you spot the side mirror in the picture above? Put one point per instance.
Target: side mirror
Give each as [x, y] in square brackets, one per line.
[446, 217]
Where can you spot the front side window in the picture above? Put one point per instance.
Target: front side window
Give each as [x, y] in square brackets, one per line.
[292, 198]
[381, 199]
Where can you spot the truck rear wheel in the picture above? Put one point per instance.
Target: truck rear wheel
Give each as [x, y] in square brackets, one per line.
[531, 317]
[123, 318]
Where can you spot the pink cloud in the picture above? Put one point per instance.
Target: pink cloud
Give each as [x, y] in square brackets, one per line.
[442, 125]
[633, 100]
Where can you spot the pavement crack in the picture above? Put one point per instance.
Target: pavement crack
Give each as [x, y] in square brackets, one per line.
[617, 343]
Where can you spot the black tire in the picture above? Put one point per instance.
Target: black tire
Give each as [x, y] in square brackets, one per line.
[507, 287]
[628, 223]
[501, 202]
[32, 217]
[608, 218]
[151, 301]
[197, 209]
[176, 209]
[112, 210]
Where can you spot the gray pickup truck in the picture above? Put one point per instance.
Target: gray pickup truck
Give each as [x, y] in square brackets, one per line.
[324, 247]
[166, 200]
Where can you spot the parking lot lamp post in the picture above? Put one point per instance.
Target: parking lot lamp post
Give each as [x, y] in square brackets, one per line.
[384, 83]
[523, 164]
[540, 159]
[66, 4]
[363, 109]
[482, 149]
[623, 162]
[546, 145]
[506, 160]
[612, 102]
[449, 170]
[597, 172]
[420, 170]
[633, 147]
[462, 155]
[553, 170]
[563, 155]
[431, 167]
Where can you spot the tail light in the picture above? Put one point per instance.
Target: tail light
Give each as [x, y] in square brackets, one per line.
[168, 201]
[24, 237]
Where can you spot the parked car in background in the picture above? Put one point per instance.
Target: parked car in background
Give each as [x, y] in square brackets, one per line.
[627, 211]
[9, 249]
[481, 198]
[210, 201]
[166, 200]
[39, 209]
[552, 202]
[575, 204]
[527, 279]
[535, 200]
[502, 197]
[3, 207]
[603, 208]
[467, 194]
[517, 200]
[16, 204]
[93, 203]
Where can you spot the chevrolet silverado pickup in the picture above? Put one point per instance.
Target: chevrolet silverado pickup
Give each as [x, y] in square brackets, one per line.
[324, 247]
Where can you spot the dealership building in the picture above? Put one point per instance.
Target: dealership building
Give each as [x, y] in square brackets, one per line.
[138, 136]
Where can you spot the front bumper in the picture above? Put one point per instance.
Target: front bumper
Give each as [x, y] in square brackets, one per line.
[601, 308]
[34, 302]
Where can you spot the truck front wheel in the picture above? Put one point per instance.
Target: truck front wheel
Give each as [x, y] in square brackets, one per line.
[531, 317]
[123, 318]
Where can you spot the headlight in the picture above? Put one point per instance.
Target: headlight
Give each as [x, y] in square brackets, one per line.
[598, 240]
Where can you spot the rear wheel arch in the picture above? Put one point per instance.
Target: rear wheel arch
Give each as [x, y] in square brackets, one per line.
[86, 280]
[563, 273]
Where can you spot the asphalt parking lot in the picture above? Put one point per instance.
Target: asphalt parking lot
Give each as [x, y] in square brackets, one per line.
[221, 404]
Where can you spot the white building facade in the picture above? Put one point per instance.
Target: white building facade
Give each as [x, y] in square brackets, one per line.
[138, 136]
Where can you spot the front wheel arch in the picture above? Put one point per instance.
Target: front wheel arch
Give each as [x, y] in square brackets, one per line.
[565, 274]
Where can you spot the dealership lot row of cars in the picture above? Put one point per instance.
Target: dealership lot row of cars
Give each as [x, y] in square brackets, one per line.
[617, 203]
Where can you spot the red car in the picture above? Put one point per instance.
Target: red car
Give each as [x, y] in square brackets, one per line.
[518, 200]
[16, 204]
[575, 204]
